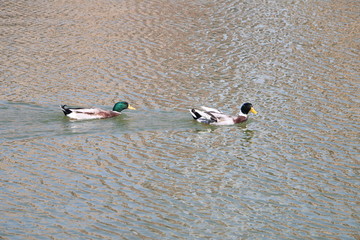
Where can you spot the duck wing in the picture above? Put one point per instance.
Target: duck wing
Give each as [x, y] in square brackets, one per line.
[68, 110]
[211, 116]
[89, 111]
[207, 109]
[203, 117]
[93, 113]
[221, 118]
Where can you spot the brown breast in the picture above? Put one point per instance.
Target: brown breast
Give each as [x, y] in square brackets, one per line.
[240, 119]
[108, 114]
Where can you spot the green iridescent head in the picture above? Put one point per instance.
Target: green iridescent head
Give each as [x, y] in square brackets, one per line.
[118, 107]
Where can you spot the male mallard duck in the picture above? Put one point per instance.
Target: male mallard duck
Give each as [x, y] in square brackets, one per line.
[94, 113]
[216, 117]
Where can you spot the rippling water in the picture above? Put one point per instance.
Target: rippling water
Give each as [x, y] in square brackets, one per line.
[291, 172]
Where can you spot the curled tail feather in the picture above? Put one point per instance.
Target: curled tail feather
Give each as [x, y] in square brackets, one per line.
[65, 110]
[195, 114]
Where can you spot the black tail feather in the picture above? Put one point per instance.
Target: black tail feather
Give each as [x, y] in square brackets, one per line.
[195, 114]
[65, 110]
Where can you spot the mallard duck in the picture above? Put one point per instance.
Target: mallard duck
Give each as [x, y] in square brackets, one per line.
[94, 113]
[216, 117]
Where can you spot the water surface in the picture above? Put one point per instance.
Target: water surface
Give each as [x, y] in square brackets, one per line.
[290, 172]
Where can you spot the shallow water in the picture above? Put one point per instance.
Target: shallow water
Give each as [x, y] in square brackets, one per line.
[290, 172]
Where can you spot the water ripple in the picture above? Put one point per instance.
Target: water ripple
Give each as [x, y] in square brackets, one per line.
[291, 172]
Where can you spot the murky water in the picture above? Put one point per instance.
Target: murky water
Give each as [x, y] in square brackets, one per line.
[291, 172]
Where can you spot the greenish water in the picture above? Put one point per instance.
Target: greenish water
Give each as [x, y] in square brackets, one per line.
[290, 172]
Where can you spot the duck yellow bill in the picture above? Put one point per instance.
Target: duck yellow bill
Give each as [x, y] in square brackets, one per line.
[132, 108]
[253, 110]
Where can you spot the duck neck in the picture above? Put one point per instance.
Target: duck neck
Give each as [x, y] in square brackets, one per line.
[242, 114]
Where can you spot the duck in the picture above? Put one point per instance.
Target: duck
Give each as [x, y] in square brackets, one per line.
[215, 117]
[95, 113]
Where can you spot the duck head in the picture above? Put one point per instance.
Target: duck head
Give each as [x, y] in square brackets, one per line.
[118, 107]
[246, 108]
